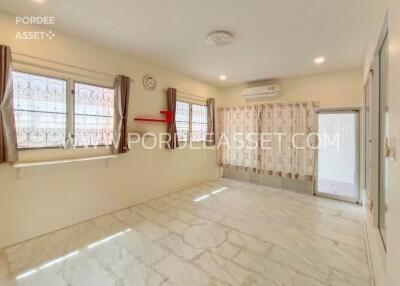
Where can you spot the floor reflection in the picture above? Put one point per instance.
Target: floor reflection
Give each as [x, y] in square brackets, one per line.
[72, 254]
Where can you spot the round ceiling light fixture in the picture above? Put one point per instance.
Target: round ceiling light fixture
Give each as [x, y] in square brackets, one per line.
[222, 77]
[319, 60]
[219, 39]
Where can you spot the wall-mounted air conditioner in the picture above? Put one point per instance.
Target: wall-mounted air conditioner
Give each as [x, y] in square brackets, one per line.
[263, 91]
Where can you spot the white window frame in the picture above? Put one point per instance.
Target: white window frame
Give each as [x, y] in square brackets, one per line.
[66, 105]
[189, 140]
[189, 129]
[70, 107]
[72, 123]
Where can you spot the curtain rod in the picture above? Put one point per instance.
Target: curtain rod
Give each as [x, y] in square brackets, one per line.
[191, 95]
[192, 100]
[64, 64]
[290, 103]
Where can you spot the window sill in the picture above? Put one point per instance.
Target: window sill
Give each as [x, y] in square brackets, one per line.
[63, 161]
[41, 157]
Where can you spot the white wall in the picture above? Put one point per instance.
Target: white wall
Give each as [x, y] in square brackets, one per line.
[48, 198]
[338, 89]
[378, 10]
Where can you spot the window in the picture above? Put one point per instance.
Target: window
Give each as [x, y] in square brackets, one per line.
[182, 119]
[41, 106]
[199, 123]
[40, 110]
[94, 115]
[191, 121]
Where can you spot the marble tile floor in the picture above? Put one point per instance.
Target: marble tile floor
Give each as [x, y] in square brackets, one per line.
[222, 232]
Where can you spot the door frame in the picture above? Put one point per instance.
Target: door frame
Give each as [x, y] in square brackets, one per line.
[357, 112]
[375, 144]
[382, 171]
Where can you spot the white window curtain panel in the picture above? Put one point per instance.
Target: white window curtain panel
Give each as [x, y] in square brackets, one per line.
[288, 140]
[286, 135]
[238, 139]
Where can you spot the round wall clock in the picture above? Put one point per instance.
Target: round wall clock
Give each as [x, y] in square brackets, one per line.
[149, 82]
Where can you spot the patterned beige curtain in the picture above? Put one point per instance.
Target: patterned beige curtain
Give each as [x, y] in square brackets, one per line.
[285, 137]
[8, 136]
[237, 142]
[288, 140]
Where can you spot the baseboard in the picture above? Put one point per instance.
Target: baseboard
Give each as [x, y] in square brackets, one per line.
[248, 175]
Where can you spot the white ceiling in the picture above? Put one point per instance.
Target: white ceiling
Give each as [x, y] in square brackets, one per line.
[273, 38]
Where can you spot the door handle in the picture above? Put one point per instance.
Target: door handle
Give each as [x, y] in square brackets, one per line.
[388, 152]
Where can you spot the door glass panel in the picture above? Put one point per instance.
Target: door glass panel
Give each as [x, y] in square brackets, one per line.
[337, 155]
[383, 137]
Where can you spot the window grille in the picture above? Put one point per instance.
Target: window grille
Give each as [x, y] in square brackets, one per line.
[94, 115]
[40, 110]
[182, 118]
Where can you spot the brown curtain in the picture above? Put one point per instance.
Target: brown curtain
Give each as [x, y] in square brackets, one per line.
[8, 135]
[171, 105]
[121, 105]
[210, 121]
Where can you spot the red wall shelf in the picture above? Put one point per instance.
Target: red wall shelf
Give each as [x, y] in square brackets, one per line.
[168, 118]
